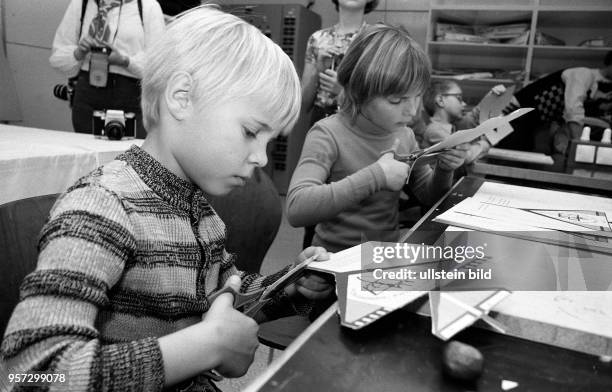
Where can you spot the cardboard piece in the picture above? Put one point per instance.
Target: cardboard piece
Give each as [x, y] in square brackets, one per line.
[468, 135]
[492, 105]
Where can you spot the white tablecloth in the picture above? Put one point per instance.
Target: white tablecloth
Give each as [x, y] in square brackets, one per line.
[36, 162]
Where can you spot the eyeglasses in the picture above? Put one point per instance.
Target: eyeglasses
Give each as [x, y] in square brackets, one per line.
[456, 95]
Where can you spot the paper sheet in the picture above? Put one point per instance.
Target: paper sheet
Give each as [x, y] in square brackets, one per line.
[492, 105]
[468, 135]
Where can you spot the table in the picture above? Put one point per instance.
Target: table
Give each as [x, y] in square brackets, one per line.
[35, 162]
[530, 172]
[399, 353]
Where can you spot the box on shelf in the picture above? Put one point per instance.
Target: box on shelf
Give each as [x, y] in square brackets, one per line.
[461, 37]
[598, 42]
[547, 39]
[442, 28]
[450, 32]
[522, 39]
[505, 31]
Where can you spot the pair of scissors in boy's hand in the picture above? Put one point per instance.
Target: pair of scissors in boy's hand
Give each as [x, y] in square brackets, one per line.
[254, 301]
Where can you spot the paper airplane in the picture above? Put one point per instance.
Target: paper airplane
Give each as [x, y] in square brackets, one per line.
[492, 125]
[364, 297]
[492, 105]
[468, 135]
[451, 312]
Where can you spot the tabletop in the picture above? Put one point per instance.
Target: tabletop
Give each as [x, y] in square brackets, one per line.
[35, 162]
[399, 352]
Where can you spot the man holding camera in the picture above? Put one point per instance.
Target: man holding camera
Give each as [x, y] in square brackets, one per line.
[100, 45]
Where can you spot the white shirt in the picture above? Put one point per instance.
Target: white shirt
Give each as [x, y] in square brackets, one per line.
[130, 40]
[578, 83]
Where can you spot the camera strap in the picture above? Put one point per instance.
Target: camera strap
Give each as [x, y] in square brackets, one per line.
[84, 8]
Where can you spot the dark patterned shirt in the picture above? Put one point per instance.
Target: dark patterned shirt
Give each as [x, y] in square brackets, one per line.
[130, 253]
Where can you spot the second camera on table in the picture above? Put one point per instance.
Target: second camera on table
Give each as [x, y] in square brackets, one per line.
[114, 124]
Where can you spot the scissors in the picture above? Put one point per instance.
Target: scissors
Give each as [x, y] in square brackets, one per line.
[489, 126]
[254, 301]
[413, 156]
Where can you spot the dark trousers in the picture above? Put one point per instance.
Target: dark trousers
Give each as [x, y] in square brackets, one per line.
[120, 93]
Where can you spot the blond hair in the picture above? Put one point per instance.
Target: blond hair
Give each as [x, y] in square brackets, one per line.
[227, 59]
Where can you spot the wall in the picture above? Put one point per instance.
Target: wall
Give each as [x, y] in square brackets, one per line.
[9, 104]
[30, 26]
[412, 14]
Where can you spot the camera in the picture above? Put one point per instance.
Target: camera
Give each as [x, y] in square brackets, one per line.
[65, 92]
[98, 66]
[113, 124]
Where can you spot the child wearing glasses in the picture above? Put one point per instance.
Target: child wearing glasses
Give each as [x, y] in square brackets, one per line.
[343, 183]
[443, 102]
[133, 251]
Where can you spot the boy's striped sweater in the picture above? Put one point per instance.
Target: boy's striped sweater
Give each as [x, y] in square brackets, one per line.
[129, 254]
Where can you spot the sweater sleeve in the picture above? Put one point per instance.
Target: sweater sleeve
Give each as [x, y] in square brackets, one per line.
[83, 251]
[311, 199]
[153, 20]
[577, 83]
[66, 40]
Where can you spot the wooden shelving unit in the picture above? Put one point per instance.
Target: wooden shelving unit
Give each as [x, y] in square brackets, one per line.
[571, 21]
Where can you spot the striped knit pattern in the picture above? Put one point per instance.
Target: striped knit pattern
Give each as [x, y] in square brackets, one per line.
[130, 253]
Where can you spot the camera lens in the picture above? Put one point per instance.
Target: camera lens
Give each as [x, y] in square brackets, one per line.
[114, 130]
[61, 91]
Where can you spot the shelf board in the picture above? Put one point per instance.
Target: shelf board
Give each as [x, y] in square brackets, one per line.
[491, 7]
[560, 48]
[476, 45]
[567, 8]
[483, 80]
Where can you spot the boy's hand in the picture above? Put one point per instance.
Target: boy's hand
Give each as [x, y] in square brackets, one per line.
[453, 158]
[312, 285]
[235, 334]
[396, 172]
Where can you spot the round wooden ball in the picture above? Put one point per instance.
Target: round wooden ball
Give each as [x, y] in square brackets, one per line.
[462, 361]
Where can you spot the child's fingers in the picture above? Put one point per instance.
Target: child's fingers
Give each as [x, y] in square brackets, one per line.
[227, 299]
[460, 147]
[327, 78]
[330, 74]
[313, 250]
[451, 160]
[395, 145]
[498, 89]
[390, 153]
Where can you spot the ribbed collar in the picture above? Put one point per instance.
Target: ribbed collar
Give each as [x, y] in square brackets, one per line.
[170, 187]
[363, 127]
